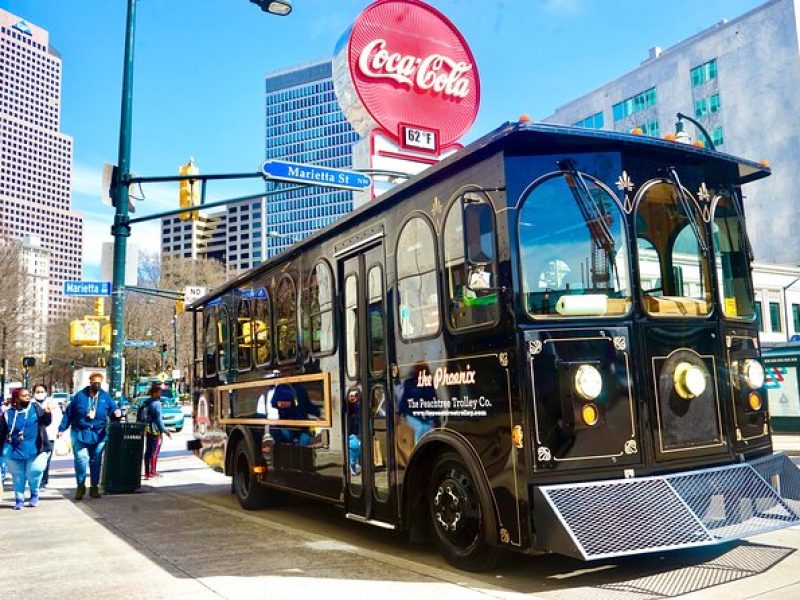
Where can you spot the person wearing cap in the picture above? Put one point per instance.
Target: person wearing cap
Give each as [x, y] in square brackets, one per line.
[87, 416]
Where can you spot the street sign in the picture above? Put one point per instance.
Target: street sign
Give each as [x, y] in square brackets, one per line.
[314, 175]
[139, 343]
[87, 288]
[254, 294]
[192, 293]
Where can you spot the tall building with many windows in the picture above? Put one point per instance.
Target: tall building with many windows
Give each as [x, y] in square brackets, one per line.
[740, 80]
[35, 157]
[305, 124]
[205, 237]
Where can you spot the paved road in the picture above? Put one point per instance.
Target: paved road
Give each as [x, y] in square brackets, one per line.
[185, 536]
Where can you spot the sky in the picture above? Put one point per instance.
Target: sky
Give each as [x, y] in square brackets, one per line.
[199, 70]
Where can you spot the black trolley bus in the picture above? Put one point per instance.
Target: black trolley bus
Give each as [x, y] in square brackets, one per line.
[546, 342]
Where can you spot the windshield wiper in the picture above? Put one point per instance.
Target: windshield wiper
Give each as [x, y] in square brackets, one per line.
[687, 208]
[592, 214]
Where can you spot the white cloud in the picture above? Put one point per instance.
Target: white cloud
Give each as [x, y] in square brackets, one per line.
[97, 229]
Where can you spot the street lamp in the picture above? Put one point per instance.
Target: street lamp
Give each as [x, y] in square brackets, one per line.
[280, 8]
[281, 236]
[121, 229]
[683, 137]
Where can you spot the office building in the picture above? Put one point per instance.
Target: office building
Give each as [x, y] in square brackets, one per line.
[33, 307]
[739, 79]
[204, 238]
[303, 124]
[35, 157]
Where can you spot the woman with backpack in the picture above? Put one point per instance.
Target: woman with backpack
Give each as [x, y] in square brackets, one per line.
[150, 414]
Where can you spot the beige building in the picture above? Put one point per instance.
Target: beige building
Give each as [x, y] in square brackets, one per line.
[35, 157]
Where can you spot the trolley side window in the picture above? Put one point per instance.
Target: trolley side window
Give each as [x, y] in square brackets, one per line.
[262, 328]
[320, 308]
[223, 340]
[470, 269]
[732, 264]
[286, 319]
[244, 336]
[418, 294]
[210, 341]
[573, 248]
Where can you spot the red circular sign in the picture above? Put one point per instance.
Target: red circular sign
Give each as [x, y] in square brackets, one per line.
[410, 66]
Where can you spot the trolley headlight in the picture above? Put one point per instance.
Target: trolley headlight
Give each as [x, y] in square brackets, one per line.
[588, 382]
[690, 380]
[753, 373]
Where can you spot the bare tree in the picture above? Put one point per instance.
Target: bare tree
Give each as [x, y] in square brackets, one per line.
[13, 294]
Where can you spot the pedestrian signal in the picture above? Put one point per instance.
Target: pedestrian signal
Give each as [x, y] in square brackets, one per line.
[189, 191]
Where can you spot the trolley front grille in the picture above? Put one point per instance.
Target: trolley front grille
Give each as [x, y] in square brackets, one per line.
[613, 518]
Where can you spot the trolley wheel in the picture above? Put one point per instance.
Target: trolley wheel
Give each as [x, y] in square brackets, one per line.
[462, 516]
[250, 494]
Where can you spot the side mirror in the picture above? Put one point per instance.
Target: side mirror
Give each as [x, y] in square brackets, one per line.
[478, 232]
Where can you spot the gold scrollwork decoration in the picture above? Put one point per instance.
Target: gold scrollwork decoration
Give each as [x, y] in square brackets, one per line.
[503, 358]
[620, 342]
[543, 454]
[631, 447]
[535, 346]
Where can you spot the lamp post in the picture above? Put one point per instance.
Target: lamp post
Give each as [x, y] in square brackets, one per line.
[121, 229]
[682, 136]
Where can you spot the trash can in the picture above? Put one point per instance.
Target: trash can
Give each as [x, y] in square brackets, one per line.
[122, 464]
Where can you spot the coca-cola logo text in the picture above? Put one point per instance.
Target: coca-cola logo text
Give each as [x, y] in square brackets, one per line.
[436, 72]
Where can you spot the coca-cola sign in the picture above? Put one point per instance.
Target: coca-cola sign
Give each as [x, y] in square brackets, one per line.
[405, 65]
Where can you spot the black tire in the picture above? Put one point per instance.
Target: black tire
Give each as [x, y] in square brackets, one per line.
[462, 515]
[250, 493]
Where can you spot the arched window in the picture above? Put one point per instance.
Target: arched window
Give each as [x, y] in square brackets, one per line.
[673, 227]
[320, 308]
[470, 303]
[573, 249]
[418, 294]
[210, 341]
[244, 336]
[262, 328]
[286, 319]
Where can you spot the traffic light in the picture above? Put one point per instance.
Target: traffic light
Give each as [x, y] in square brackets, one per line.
[189, 191]
[72, 364]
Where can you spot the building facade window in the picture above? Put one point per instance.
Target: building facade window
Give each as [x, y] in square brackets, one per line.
[775, 317]
[635, 104]
[650, 128]
[595, 121]
[705, 72]
[796, 317]
[759, 317]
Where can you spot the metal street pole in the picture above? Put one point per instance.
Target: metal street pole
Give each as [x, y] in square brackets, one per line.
[175, 336]
[121, 229]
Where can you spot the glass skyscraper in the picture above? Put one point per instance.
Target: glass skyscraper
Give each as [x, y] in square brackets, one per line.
[304, 124]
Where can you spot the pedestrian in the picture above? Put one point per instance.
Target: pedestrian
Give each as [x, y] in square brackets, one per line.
[5, 449]
[24, 427]
[40, 397]
[87, 416]
[155, 430]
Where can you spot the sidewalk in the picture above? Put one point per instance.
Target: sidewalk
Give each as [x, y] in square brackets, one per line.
[786, 442]
[168, 541]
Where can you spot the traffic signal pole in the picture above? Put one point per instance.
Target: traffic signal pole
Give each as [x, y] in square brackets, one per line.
[121, 229]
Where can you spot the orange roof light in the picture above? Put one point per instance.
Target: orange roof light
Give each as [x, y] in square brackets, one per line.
[525, 119]
[637, 131]
[698, 144]
[670, 137]
[764, 163]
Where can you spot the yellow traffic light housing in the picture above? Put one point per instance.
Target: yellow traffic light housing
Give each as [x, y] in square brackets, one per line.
[189, 191]
[84, 332]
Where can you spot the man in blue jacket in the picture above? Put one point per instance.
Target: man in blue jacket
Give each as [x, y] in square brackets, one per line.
[87, 416]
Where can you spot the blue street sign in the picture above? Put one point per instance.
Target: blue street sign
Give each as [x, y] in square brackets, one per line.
[314, 175]
[87, 288]
[139, 343]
